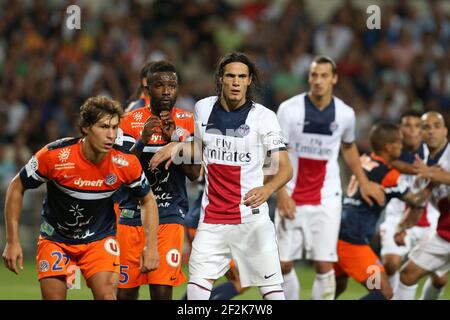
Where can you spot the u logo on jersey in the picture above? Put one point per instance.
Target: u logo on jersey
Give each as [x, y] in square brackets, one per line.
[173, 258]
[112, 247]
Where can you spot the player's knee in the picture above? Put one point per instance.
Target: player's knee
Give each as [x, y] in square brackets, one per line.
[407, 276]
[286, 266]
[128, 294]
[387, 292]
[391, 267]
[439, 282]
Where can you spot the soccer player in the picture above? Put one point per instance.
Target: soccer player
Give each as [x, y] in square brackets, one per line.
[356, 259]
[78, 221]
[433, 254]
[237, 137]
[391, 253]
[140, 98]
[145, 131]
[315, 126]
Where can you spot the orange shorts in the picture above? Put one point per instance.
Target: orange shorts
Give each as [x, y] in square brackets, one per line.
[356, 261]
[56, 259]
[170, 248]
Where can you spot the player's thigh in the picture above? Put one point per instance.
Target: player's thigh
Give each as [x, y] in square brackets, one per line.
[131, 242]
[323, 228]
[53, 288]
[170, 249]
[255, 251]
[54, 259]
[289, 237]
[210, 255]
[432, 255]
[100, 256]
[359, 262]
[104, 285]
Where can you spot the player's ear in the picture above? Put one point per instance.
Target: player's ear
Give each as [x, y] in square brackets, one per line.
[335, 79]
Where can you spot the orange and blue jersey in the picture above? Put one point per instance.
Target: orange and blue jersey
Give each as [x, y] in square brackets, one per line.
[358, 221]
[169, 186]
[78, 207]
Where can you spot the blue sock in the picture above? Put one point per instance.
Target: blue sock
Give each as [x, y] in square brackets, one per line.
[224, 291]
[374, 295]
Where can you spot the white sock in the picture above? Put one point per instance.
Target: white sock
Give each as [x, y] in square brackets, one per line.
[324, 287]
[394, 279]
[405, 292]
[429, 291]
[199, 289]
[291, 285]
[274, 292]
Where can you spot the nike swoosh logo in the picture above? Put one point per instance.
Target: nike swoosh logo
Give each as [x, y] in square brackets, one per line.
[303, 123]
[207, 124]
[267, 277]
[116, 264]
[173, 278]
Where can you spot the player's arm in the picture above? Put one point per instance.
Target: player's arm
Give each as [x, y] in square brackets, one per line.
[13, 208]
[150, 222]
[369, 190]
[435, 174]
[404, 167]
[280, 172]
[417, 203]
[152, 125]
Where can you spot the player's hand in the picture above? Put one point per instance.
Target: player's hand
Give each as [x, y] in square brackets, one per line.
[399, 237]
[149, 259]
[167, 125]
[285, 205]
[165, 154]
[257, 196]
[152, 125]
[372, 192]
[13, 254]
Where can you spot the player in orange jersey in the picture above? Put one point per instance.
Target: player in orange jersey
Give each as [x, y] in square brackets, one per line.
[78, 224]
[145, 131]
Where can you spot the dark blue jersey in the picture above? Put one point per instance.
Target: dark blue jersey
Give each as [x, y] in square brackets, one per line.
[358, 219]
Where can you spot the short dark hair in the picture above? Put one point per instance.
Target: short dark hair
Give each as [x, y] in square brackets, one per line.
[410, 113]
[160, 66]
[326, 59]
[252, 69]
[383, 133]
[94, 108]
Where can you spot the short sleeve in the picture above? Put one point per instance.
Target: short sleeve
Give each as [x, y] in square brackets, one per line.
[37, 170]
[283, 119]
[348, 136]
[137, 182]
[271, 133]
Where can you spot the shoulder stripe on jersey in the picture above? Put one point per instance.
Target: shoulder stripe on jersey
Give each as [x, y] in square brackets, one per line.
[137, 182]
[84, 195]
[391, 179]
[152, 149]
[276, 150]
[36, 176]
[61, 143]
[128, 138]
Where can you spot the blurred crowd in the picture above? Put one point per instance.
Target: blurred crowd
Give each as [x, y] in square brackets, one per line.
[48, 70]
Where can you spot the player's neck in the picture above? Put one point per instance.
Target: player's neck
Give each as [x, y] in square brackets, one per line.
[89, 153]
[411, 148]
[434, 152]
[320, 102]
[231, 105]
[385, 156]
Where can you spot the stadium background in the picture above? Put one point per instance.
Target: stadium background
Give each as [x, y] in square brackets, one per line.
[47, 71]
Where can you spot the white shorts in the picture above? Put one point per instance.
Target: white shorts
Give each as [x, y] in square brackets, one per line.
[315, 229]
[432, 255]
[413, 237]
[252, 246]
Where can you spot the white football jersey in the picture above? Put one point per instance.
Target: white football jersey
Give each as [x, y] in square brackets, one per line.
[235, 146]
[440, 196]
[314, 138]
